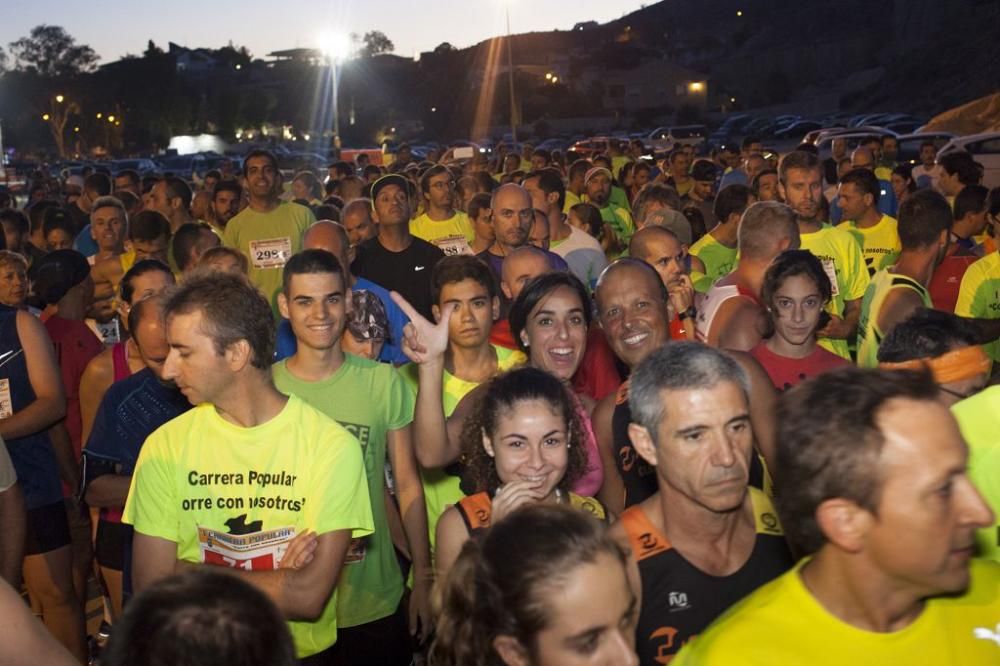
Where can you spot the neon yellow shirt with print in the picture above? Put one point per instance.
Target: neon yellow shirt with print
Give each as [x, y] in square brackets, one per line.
[718, 259]
[268, 240]
[869, 334]
[369, 399]
[782, 623]
[879, 243]
[844, 264]
[979, 295]
[453, 236]
[232, 496]
[441, 489]
[979, 420]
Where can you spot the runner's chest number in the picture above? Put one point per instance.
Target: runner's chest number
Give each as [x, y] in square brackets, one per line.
[270, 252]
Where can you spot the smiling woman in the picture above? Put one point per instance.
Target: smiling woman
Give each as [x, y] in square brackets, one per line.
[522, 444]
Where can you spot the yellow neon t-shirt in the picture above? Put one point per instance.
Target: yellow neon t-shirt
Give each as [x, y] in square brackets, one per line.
[844, 264]
[783, 623]
[979, 420]
[453, 236]
[232, 496]
[571, 200]
[880, 243]
[979, 295]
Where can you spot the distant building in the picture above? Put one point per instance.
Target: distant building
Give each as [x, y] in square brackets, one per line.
[193, 61]
[586, 25]
[652, 84]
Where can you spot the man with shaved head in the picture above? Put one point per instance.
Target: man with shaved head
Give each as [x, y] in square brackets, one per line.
[732, 315]
[520, 267]
[331, 236]
[357, 220]
[662, 249]
[513, 218]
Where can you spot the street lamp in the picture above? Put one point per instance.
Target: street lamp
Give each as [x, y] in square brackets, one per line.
[60, 98]
[336, 47]
[510, 78]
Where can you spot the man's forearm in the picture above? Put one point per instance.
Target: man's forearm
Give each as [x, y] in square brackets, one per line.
[36, 417]
[108, 490]
[12, 524]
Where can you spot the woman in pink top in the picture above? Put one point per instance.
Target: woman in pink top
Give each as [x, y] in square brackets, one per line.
[549, 322]
[795, 292]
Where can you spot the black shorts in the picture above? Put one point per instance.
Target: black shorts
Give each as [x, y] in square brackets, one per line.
[384, 642]
[46, 529]
[109, 544]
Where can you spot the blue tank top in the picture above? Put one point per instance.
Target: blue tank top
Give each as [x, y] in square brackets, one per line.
[33, 457]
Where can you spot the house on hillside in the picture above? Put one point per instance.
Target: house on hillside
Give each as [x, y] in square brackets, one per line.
[193, 61]
[654, 83]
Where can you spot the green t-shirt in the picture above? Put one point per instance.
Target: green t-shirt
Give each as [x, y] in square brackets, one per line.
[880, 243]
[979, 419]
[268, 240]
[979, 295]
[232, 496]
[869, 334]
[441, 489]
[718, 259]
[369, 399]
[844, 264]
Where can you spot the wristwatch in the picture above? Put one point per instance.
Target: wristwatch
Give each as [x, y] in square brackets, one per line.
[690, 313]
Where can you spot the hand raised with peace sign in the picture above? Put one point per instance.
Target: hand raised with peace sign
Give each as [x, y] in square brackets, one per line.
[424, 341]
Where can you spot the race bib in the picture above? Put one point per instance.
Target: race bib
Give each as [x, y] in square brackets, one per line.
[6, 406]
[831, 272]
[270, 252]
[109, 332]
[257, 551]
[452, 245]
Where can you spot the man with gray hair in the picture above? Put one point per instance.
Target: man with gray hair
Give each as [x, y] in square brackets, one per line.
[731, 316]
[705, 539]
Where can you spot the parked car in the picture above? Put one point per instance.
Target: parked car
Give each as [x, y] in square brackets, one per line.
[985, 148]
[797, 130]
[853, 139]
[592, 146]
[909, 145]
[142, 166]
[667, 138]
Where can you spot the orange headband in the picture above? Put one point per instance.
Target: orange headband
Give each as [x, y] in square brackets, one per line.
[951, 366]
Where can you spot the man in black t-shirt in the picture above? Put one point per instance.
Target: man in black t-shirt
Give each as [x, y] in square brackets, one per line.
[395, 259]
[706, 538]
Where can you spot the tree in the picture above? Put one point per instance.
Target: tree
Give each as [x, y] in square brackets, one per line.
[375, 43]
[50, 51]
[3, 60]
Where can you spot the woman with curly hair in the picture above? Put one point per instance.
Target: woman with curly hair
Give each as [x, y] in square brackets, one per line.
[547, 586]
[522, 443]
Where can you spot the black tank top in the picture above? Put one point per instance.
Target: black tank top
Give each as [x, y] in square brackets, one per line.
[679, 600]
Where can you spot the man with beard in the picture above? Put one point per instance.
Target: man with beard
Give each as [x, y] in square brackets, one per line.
[227, 196]
[598, 186]
[129, 412]
[269, 231]
[800, 183]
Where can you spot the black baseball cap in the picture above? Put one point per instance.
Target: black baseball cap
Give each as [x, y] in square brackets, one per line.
[392, 179]
[58, 272]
